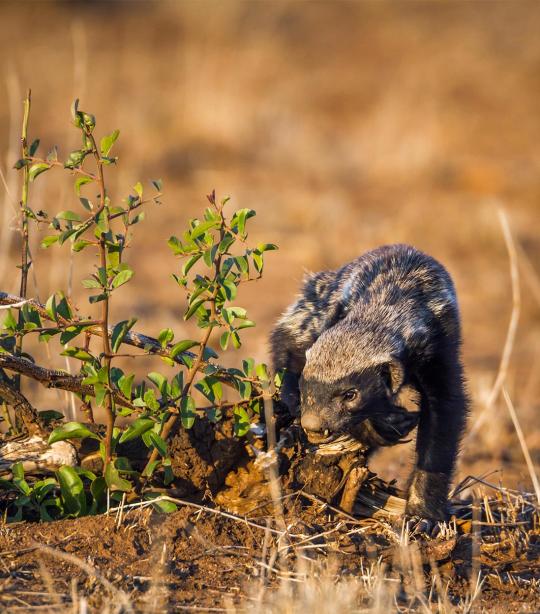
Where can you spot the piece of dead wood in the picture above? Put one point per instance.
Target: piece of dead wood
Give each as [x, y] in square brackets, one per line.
[52, 378]
[36, 455]
[26, 416]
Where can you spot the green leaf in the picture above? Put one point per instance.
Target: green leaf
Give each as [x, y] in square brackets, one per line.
[262, 372]
[230, 289]
[136, 429]
[177, 384]
[72, 491]
[97, 298]
[236, 339]
[239, 220]
[21, 163]
[225, 243]
[258, 261]
[122, 278]
[37, 169]
[71, 430]
[70, 333]
[248, 365]
[193, 308]
[224, 340]
[241, 421]
[187, 412]
[125, 383]
[176, 245]
[86, 203]
[242, 264]
[98, 490]
[64, 236]
[78, 246]
[79, 182]
[52, 155]
[113, 479]
[78, 353]
[10, 323]
[100, 392]
[138, 189]
[165, 336]
[203, 227]
[245, 324]
[119, 333]
[150, 400]
[158, 184]
[159, 380]
[164, 506]
[107, 142]
[33, 148]
[71, 216]
[91, 283]
[244, 388]
[182, 346]
[266, 247]
[189, 263]
[159, 443]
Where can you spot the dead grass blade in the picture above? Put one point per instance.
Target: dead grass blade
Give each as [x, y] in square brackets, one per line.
[512, 326]
[522, 443]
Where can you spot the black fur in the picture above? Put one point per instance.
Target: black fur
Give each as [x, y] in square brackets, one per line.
[355, 337]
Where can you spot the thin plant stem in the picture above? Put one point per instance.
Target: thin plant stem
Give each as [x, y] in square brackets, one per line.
[107, 351]
[24, 217]
[169, 425]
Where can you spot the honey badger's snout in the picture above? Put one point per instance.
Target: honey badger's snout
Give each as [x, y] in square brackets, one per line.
[314, 426]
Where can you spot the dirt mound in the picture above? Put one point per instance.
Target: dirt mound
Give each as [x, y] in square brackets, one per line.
[202, 557]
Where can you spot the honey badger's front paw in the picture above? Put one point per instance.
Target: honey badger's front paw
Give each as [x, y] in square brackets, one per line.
[418, 527]
[428, 496]
[395, 425]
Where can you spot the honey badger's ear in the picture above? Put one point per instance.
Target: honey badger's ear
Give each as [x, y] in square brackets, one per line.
[394, 375]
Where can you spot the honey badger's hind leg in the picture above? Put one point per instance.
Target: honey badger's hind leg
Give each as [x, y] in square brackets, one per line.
[443, 412]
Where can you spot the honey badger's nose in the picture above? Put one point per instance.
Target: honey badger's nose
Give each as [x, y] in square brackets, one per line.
[311, 422]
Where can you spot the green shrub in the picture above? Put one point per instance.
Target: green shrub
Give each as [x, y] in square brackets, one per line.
[215, 261]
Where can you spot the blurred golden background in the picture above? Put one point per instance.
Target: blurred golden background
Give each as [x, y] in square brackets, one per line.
[346, 125]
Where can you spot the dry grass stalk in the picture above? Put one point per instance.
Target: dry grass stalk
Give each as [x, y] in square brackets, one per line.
[523, 444]
[512, 326]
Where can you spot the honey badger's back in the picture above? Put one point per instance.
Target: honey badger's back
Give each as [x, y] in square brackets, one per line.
[395, 286]
[394, 301]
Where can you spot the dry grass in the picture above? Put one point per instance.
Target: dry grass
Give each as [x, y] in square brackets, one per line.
[494, 534]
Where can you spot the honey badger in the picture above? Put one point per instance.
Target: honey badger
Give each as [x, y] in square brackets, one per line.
[351, 341]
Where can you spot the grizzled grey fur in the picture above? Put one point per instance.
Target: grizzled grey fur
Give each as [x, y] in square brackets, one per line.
[355, 337]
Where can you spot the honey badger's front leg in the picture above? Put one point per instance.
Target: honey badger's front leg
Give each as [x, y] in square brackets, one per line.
[443, 411]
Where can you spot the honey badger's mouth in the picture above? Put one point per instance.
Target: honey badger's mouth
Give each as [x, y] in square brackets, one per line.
[334, 443]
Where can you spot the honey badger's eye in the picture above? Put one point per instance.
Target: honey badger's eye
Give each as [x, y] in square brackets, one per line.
[350, 395]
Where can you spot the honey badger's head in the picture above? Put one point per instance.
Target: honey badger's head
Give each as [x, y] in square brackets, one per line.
[352, 374]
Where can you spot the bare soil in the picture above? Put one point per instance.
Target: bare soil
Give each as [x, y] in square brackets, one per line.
[218, 552]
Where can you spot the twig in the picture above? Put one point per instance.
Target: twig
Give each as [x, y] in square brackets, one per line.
[203, 508]
[122, 597]
[52, 378]
[19, 304]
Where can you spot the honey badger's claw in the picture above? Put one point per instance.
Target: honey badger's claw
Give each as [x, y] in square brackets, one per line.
[422, 527]
[395, 425]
